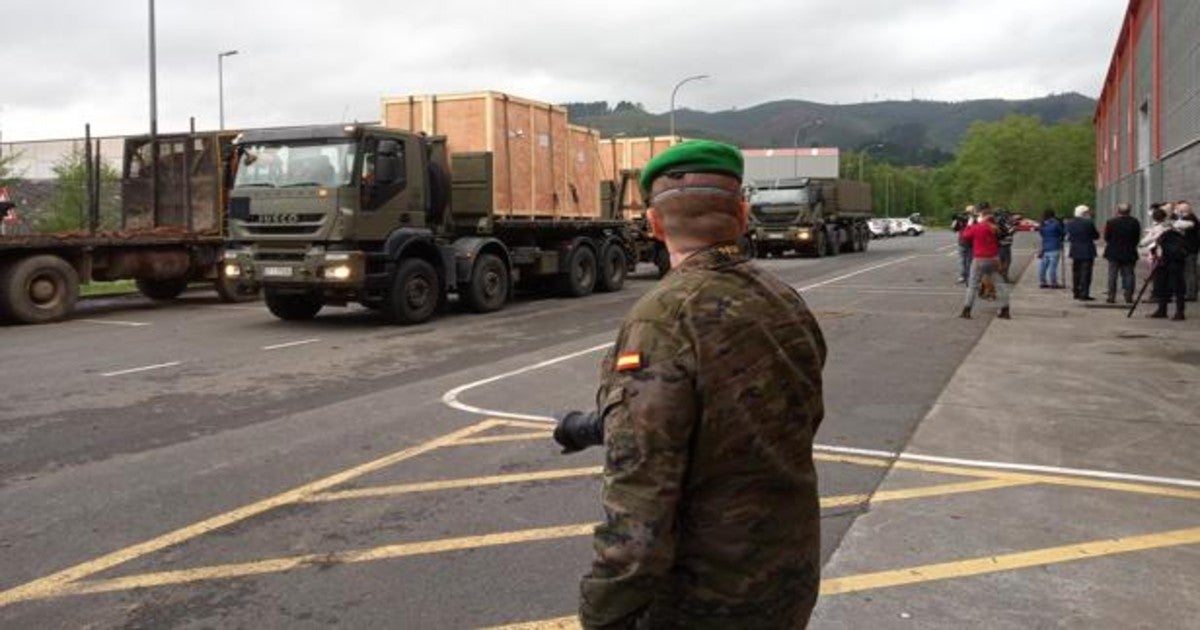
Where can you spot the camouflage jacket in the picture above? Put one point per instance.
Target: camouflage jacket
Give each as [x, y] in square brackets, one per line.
[710, 398]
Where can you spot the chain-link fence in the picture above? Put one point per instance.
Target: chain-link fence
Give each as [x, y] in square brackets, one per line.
[47, 181]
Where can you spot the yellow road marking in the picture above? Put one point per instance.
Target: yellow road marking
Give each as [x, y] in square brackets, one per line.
[513, 437]
[54, 583]
[958, 569]
[1008, 562]
[524, 424]
[449, 484]
[277, 565]
[562, 623]
[985, 473]
[923, 492]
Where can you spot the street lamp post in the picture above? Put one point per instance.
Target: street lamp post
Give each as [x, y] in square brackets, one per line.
[697, 77]
[221, 84]
[153, 122]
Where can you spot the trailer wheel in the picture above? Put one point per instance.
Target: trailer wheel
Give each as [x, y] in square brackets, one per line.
[488, 290]
[292, 306]
[612, 269]
[662, 260]
[415, 293]
[162, 289]
[832, 243]
[819, 244]
[580, 277]
[38, 289]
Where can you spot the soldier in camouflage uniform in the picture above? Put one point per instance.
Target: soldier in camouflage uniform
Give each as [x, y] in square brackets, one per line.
[710, 401]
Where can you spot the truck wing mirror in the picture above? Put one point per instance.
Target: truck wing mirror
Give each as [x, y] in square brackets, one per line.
[389, 147]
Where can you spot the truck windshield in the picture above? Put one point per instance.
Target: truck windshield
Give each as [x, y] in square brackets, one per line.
[779, 197]
[295, 164]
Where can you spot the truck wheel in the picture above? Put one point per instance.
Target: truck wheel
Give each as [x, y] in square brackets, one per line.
[833, 245]
[747, 246]
[819, 245]
[612, 269]
[415, 293]
[162, 289]
[662, 260]
[488, 290]
[580, 278]
[38, 290]
[292, 306]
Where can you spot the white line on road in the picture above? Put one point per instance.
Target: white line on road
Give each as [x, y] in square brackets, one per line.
[144, 368]
[945, 248]
[290, 344]
[450, 398]
[983, 463]
[855, 273]
[114, 322]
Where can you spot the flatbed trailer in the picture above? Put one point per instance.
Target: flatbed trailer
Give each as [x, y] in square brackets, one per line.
[169, 237]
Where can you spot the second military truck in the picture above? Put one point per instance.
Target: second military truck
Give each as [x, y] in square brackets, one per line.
[816, 217]
[388, 218]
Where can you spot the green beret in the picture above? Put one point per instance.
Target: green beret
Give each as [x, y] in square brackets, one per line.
[693, 156]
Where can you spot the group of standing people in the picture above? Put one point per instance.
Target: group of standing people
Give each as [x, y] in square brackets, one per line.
[1170, 247]
[985, 251]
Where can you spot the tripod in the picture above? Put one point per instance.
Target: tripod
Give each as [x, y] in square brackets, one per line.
[1145, 285]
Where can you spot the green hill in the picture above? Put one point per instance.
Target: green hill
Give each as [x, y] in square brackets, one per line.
[912, 132]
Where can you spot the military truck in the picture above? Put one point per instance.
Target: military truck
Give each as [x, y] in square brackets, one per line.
[170, 233]
[815, 217]
[388, 218]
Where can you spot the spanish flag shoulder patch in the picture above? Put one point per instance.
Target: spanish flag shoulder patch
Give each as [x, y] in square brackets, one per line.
[628, 361]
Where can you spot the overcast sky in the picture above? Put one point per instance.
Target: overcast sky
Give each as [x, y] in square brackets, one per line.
[67, 62]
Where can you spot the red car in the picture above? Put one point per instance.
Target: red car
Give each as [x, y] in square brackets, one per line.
[1027, 225]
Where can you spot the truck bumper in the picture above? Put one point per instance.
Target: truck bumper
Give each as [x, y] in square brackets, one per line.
[314, 268]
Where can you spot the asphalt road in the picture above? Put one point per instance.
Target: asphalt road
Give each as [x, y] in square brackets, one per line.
[212, 422]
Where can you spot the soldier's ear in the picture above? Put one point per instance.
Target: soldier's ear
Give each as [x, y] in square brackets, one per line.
[743, 216]
[654, 219]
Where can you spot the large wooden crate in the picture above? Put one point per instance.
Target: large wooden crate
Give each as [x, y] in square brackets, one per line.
[618, 154]
[542, 166]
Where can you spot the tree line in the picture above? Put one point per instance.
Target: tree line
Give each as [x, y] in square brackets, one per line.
[1018, 163]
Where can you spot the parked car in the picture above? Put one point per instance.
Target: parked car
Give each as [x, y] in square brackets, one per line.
[880, 228]
[906, 226]
[1026, 225]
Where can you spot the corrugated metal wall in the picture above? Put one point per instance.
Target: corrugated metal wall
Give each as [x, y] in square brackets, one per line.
[1180, 73]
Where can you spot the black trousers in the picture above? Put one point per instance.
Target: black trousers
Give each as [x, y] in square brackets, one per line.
[1124, 271]
[1169, 282]
[1081, 277]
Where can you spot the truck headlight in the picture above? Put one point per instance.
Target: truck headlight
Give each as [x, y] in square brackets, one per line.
[340, 272]
[804, 235]
[232, 270]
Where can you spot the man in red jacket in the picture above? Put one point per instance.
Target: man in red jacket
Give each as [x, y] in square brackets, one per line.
[983, 238]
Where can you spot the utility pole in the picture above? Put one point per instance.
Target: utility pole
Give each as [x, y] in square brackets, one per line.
[153, 121]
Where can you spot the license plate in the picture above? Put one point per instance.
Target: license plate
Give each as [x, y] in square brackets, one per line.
[277, 272]
[777, 237]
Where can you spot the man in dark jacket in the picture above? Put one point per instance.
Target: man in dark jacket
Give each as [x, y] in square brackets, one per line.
[1082, 235]
[1190, 226]
[1121, 236]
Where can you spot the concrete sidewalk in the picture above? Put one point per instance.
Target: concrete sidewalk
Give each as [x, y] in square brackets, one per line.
[1088, 425]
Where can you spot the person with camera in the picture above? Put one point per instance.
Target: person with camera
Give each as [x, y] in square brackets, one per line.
[961, 223]
[1166, 248]
[707, 407]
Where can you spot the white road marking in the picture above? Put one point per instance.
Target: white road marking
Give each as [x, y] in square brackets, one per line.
[983, 463]
[855, 273]
[144, 368]
[450, 398]
[945, 248]
[290, 344]
[114, 322]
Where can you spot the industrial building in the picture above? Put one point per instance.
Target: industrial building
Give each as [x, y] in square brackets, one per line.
[1148, 118]
[767, 164]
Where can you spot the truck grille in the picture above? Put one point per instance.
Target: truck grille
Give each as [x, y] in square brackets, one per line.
[284, 225]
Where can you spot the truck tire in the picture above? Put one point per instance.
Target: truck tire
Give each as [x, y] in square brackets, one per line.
[747, 246]
[819, 245]
[488, 288]
[415, 293]
[612, 269]
[662, 260]
[38, 289]
[162, 290]
[833, 244]
[580, 277]
[292, 306]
